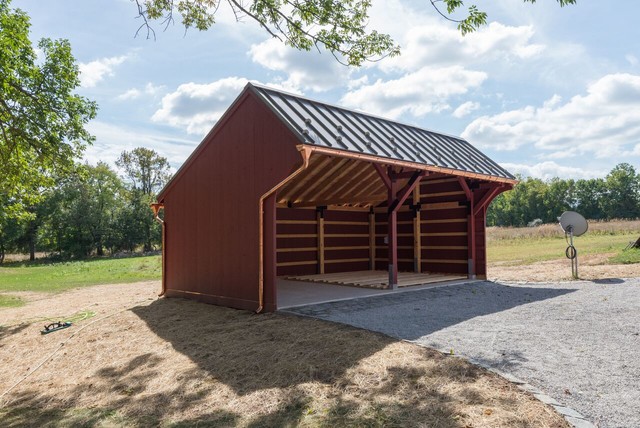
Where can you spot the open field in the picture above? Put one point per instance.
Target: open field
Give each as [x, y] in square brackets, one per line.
[537, 253]
[172, 362]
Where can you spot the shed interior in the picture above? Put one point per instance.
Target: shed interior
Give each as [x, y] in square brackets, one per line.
[334, 218]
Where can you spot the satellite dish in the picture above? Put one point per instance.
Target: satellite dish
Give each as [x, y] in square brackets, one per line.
[573, 223]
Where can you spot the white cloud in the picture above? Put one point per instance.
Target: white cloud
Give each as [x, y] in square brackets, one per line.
[548, 170]
[631, 59]
[93, 72]
[133, 93]
[438, 44]
[111, 140]
[424, 91]
[196, 107]
[465, 109]
[604, 122]
[304, 70]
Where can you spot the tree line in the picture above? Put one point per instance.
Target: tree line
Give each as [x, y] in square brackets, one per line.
[617, 196]
[92, 210]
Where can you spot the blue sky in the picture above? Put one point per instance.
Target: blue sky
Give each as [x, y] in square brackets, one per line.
[545, 91]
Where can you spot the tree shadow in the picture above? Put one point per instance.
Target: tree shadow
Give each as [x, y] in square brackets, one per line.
[6, 332]
[415, 314]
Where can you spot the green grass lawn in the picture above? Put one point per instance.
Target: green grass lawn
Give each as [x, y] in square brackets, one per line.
[55, 277]
[528, 251]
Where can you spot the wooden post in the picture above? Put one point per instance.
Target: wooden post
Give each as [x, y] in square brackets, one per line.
[417, 240]
[392, 230]
[320, 217]
[471, 229]
[372, 240]
[471, 240]
[395, 199]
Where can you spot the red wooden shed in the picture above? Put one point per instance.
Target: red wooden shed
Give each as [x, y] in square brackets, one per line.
[284, 186]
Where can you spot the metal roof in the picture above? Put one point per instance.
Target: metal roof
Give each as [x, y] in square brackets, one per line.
[330, 126]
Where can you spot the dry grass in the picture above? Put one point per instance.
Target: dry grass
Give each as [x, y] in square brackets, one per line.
[613, 227]
[171, 362]
[537, 253]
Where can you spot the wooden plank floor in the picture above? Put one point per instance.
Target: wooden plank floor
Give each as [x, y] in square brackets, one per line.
[377, 278]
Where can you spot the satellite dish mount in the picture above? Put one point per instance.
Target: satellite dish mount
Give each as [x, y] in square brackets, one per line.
[573, 224]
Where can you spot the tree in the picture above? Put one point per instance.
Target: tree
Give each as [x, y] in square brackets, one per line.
[41, 119]
[339, 26]
[590, 196]
[145, 168]
[474, 17]
[623, 192]
[147, 172]
[79, 217]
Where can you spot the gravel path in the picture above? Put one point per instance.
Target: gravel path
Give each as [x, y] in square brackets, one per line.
[578, 342]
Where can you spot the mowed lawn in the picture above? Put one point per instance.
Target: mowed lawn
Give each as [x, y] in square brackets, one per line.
[61, 276]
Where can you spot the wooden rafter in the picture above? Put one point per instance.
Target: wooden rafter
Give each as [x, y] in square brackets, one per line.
[347, 183]
[321, 179]
[308, 178]
[338, 179]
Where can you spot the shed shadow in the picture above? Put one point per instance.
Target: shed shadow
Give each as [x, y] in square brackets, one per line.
[250, 352]
[420, 313]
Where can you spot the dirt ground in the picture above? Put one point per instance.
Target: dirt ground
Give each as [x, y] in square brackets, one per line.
[144, 361]
[590, 267]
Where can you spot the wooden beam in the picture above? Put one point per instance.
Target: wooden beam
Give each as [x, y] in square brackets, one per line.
[346, 261]
[383, 175]
[436, 195]
[403, 194]
[309, 178]
[307, 262]
[332, 186]
[363, 199]
[296, 250]
[320, 218]
[417, 239]
[445, 234]
[465, 188]
[471, 230]
[486, 199]
[346, 235]
[321, 179]
[372, 240]
[301, 180]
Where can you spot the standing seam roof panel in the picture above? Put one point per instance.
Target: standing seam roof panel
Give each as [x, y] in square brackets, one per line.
[335, 127]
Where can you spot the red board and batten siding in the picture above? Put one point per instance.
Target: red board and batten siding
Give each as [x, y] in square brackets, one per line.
[211, 212]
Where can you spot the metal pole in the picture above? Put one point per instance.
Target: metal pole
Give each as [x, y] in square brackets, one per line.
[574, 260]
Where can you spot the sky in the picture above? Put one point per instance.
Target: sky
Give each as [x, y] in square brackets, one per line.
[545, 91]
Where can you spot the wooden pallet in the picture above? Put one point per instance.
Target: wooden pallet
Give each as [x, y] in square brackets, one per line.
[376, 278]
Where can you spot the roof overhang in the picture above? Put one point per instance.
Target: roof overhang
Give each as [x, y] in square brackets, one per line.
[404, 164]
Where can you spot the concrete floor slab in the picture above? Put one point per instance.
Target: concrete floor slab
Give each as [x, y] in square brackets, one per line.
[301, 293]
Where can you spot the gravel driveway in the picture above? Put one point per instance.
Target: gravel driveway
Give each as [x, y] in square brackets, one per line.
[578, 342]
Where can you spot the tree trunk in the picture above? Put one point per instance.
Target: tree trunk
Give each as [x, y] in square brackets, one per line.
[32, 249]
